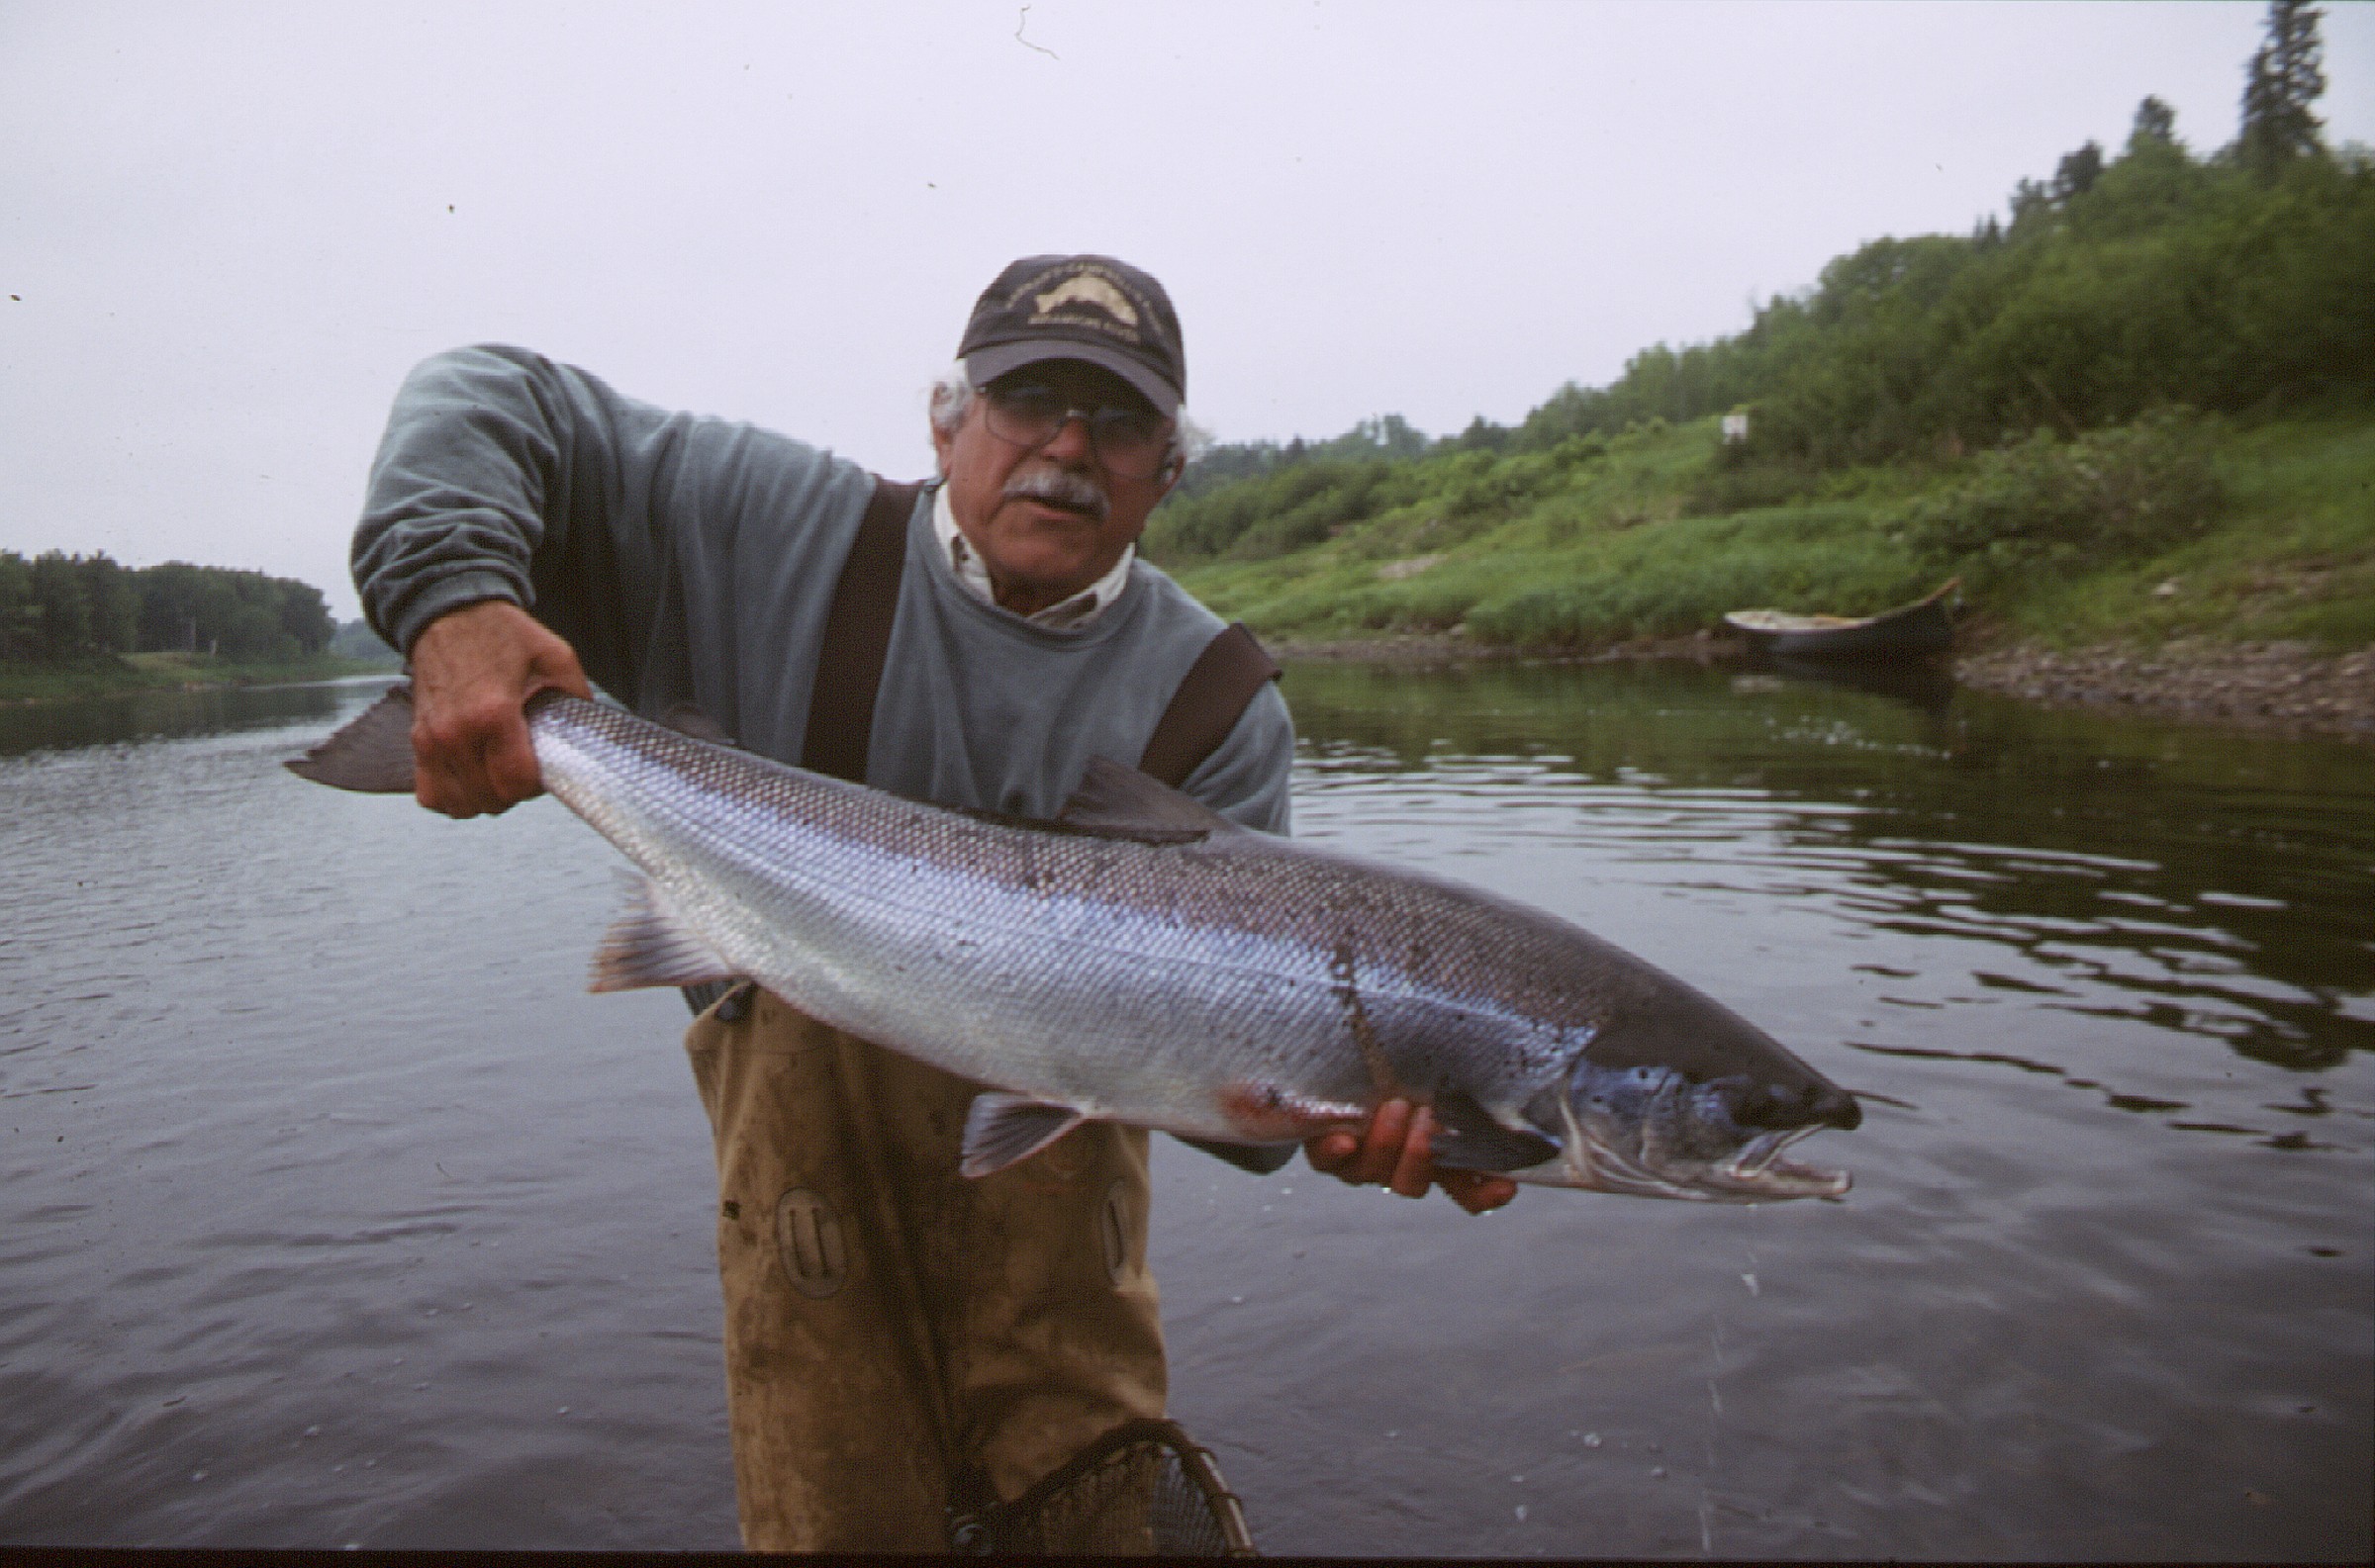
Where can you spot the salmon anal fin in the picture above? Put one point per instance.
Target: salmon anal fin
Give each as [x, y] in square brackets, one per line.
[650, 945]
[1002, 1129]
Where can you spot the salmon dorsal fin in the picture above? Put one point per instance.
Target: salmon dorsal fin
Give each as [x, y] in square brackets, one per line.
[1123, 802]
[374, 754]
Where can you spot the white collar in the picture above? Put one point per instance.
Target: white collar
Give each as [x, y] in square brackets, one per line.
[1069, 616]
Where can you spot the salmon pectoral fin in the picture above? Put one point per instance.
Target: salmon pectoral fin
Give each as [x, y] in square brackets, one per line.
[1000, 1129]
[650, 945]
[1466, 1137]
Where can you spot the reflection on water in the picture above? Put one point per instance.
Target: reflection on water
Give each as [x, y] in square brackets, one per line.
[330, 1211]
[2231, 872]
[163, 715]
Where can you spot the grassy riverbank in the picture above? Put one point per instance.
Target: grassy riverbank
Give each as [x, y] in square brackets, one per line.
[2136, 414]
[109, 674]
[2169, 527]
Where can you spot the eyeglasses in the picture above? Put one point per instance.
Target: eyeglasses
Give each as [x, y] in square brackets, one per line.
[1131, 443]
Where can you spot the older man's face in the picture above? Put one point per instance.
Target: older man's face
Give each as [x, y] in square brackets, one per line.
[1032, 514]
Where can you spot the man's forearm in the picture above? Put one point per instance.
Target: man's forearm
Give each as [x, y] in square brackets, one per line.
[457, 502]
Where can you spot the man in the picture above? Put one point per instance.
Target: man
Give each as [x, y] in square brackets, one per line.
[899, 1340]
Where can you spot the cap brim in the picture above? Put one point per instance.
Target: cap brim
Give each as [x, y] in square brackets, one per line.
[985, 365]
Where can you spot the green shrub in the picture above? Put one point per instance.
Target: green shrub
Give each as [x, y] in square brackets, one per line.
[1735, 486]
[2112, 495]
[1678, 579]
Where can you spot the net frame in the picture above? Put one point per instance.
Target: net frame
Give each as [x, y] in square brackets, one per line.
[1144, 1487]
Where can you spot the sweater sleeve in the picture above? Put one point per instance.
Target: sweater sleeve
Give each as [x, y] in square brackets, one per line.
[504, 475]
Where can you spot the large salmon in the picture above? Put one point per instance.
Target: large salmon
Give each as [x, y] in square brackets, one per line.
[1143, 960]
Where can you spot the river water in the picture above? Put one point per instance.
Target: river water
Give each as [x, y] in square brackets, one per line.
[332, 1211]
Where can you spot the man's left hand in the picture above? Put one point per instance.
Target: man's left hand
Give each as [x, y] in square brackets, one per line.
[1392, 1151]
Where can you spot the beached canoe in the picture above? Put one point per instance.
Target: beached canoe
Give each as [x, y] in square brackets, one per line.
[1910, 631]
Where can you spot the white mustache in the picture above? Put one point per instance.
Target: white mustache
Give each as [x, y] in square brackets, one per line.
[1060, 487]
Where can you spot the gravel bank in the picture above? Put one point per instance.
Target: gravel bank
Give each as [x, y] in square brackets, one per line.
[2289, 686]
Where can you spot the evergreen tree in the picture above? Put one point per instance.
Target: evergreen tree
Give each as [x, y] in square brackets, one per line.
[2077, 173]
[20, 617]
[62, 611]
[2281, 82]
[2155, 125]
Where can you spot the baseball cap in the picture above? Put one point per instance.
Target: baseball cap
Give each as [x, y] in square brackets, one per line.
[1091, 308]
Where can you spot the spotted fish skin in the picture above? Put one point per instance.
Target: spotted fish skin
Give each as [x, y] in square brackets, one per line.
[1160, 967]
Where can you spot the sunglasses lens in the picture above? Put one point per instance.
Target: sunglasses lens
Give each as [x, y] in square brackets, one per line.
[1027, 414]
[1126, 440]
[1129, 442]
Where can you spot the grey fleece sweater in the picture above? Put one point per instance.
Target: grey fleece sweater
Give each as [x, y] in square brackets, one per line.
[694, 559]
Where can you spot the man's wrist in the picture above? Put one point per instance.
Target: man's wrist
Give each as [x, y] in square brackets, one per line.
[448, 594]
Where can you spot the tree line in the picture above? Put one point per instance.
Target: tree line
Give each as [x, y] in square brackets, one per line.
[57, 606]
[2230, 282]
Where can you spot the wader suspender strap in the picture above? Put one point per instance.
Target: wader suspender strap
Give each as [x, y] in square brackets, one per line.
[1211, 697]
[857, 636]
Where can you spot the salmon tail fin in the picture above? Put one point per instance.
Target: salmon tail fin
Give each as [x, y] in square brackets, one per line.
[373, 755]
[649, 944]
[1000, 1129]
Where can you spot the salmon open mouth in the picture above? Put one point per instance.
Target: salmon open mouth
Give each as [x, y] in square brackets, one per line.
[1652, 1133]
[1759, 1172]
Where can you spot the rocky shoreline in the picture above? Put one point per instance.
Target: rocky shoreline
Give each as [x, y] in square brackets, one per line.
[2290, 688]
[2283, 685]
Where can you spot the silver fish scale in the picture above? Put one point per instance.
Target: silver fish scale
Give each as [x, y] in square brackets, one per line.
[1130, 979]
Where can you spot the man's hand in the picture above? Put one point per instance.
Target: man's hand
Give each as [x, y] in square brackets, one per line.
[1394, 1151]
[473, 670]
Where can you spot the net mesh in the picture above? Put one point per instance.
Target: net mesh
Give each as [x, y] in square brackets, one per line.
[1145, 1487]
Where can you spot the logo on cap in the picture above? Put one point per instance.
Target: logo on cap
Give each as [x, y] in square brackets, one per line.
[1085, 289]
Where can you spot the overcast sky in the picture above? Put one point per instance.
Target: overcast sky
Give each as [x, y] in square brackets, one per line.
[227, 230]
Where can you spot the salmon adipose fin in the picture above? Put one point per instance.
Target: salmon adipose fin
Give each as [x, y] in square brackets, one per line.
[694, 723]
[1002, 1129]
[650, 945]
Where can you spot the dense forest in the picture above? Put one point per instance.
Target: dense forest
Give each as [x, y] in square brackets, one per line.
[57, 608]
[2127, 284]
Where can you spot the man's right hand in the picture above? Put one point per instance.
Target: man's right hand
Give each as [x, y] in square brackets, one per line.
[473, 671]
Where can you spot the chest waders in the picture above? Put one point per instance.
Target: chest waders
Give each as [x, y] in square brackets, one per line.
[903, 1346]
